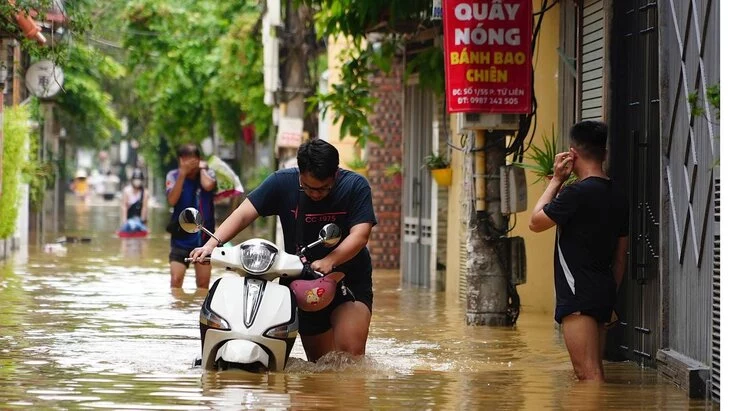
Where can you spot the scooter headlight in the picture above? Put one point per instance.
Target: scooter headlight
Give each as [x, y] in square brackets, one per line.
[211, 319]
[257, 258]
[285, 331]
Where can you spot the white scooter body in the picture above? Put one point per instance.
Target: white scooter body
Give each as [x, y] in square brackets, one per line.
[260, 321]
[250, 321]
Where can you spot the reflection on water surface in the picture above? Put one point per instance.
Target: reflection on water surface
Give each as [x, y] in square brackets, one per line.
[97, 327]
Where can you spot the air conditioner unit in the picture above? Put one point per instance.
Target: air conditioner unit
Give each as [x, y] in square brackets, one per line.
[486, 121]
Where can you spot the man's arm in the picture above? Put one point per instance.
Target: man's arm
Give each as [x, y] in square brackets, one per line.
[174, 195]
[348, 248]
[539, 221]
[562, 167]
[206, 181]
[619, 260]
[185, 167]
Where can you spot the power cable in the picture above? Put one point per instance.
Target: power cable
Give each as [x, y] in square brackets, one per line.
[528, 122]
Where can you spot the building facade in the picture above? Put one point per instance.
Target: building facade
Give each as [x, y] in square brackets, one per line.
[649, 70]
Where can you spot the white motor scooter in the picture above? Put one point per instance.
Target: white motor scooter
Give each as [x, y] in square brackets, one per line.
[249, 321]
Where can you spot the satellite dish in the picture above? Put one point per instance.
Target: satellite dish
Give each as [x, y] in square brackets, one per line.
[44, 79]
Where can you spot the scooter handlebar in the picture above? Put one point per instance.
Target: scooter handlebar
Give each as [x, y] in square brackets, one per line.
[190, 260]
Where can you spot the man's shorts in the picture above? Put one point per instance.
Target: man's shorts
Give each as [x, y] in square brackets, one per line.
[317, 322]
[602, 315]
[179, 255]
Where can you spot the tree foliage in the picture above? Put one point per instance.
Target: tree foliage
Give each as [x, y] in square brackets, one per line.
[195, 65]
[240, 77]
[84, 106]
[697, 105]
[16, 134]
[172, 68]
[350, 99]
[77, 21]
[86, 109]
[355, 18]
[393, 21]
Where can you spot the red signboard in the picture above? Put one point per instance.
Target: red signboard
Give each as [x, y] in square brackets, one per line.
[487, 55]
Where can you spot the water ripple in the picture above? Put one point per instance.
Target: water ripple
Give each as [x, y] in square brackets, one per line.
[100, 328]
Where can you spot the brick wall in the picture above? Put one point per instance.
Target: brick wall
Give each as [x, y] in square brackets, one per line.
[387, 122]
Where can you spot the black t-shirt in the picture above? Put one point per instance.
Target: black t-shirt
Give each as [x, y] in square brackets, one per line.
[591, 215]
[348, 204]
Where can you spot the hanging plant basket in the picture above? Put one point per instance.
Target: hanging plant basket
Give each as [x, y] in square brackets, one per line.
[442, 176]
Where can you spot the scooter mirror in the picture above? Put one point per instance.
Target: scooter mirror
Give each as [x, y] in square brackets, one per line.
[190, 220]
[330, 235]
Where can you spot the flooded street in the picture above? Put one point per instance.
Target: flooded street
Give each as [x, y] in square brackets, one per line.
[97, 327]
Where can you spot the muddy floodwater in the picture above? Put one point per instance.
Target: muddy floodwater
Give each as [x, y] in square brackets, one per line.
[95, 325]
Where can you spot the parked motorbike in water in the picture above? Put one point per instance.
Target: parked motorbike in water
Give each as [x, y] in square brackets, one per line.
[249, 321]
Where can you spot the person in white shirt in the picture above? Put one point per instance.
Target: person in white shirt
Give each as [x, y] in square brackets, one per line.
[111, 185]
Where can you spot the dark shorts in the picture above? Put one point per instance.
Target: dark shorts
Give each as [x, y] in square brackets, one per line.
[179, 255]
[317, 322]
[602, 315]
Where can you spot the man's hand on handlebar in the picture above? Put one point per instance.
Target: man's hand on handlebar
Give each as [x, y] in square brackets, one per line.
[199, 254]
[323, 266]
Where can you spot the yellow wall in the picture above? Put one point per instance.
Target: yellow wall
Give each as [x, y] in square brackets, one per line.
[345, 146]
[537, 294]
[454, 232]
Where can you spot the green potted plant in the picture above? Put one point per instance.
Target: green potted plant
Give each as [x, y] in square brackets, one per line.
[358, 165]
[542, 159]
[440, 168]
[395, 171]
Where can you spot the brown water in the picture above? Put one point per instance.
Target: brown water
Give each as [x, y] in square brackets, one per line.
[99, 328]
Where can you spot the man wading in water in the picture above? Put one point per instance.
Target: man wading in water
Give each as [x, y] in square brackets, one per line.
[305, 199]
[592, 218]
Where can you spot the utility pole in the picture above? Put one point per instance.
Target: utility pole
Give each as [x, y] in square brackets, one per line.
[487, 277]
[293, 90]
[295, 64]
[50, 148]
[295, 68]
[17, 56]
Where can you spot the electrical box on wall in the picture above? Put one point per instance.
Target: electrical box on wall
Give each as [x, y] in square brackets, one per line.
[513, 184]
[517, 260]
[486, 121]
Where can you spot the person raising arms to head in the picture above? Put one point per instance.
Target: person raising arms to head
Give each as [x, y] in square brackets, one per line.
[192, 184]
[591, 242]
